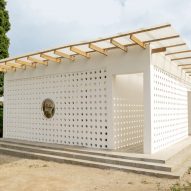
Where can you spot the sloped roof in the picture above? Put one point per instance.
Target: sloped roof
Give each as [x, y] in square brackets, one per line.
[162, 37]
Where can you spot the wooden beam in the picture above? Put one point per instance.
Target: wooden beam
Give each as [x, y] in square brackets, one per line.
[179, 52]
[182, 58]
[137, 41]
[175, 45]
[35, 60]
[186, 68]
[158, 50]
[161, 39]
[51, 58]
[3, 70]
[98, 49]
[80, 52]
[118, 45]
[184, 65]
[18, 66]
[64, 55]
[7, 67]
[22, 62]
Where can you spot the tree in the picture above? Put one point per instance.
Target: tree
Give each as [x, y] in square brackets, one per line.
[4, 46]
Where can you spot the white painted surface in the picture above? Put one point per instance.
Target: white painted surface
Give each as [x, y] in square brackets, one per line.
[189, 112]
[169, 103]
[128, 118]
[86, 101]
[82, 92]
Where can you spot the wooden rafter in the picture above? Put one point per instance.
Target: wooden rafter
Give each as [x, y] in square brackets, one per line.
[3, 70]
[182, 58]
[184, 65]
[2, 66]
[178, 52]
[98, 49]
[158, 50]
[137, 41]
[64, 55]
[18, 66]
[51, 58]
[175, 45]
[38, 61]
[118, 45]
[186, 68]
[80, 52]
[22, 62]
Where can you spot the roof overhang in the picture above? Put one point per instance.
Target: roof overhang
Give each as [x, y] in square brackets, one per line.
[162, 37]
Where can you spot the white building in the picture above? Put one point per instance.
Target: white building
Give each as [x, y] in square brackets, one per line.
[122, 91]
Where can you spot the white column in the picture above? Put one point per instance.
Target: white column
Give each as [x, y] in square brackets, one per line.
[148, 97]
[189, 112]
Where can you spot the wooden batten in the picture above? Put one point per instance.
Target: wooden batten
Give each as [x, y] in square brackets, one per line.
[35, 60]
[118, 45]
[80, 52]
[22, 62]
[181, 65]
[17, 66]
[3, 70]
[178, 52]
[158, 50]
[137, 41]
[188, 68]
[4, 67]
[64, 55]
[51, 58]
[175, 45]
[98, 49]
[182, 58]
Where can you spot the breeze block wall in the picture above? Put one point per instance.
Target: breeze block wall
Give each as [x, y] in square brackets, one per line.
[83, 97]
[169, 103]
[170, 110]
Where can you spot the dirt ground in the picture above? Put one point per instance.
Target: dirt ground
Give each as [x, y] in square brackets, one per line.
[18, 174]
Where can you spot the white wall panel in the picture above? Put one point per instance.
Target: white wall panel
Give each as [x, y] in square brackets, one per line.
[81, 114]
[169, 110]
[128, 108]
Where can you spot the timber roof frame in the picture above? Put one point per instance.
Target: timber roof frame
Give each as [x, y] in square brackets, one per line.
[134, 38]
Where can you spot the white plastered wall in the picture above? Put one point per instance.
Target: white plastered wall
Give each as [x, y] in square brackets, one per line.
[82, 92]
[128, 110]
[169, 103]
[189, 112]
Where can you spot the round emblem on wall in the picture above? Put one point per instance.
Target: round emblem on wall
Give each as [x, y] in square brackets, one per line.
[48, 108]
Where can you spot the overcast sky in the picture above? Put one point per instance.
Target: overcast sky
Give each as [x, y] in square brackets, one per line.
[43, 24]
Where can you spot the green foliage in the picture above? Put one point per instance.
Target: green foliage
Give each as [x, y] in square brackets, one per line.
[4, 46]
[178, 187]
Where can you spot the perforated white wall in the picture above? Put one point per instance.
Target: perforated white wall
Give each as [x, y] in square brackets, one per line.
[169, 110]
[81, 114]
[128, 110]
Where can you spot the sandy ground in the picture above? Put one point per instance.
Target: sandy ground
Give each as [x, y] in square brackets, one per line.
[18, 174]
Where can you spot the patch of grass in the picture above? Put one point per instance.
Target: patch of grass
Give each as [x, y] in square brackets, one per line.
[145, 182]
[130, 182]
[189, 170]
[179, 187]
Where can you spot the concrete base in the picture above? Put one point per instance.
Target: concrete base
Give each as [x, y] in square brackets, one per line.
[170, 163]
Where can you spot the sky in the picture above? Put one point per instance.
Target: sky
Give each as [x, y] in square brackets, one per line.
[44, 24]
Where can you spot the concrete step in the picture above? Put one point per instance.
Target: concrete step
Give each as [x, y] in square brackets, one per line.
[88, 157]
[137, 157]
[101, 165]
